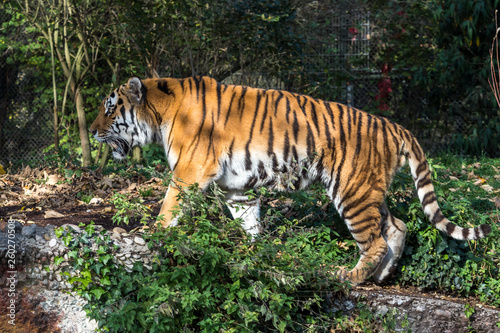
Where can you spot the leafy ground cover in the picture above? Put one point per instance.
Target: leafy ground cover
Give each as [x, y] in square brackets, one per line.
[468, 192]
[210, 276]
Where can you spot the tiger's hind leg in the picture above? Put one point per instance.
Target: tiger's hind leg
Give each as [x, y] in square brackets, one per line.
[363, 220]
[394, 233]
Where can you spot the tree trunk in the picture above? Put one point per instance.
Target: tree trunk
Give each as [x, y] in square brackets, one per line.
[54, 91]
[82, 125]
[136, 154]
[105, 156]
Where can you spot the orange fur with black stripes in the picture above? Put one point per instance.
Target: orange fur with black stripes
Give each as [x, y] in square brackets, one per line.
[243, 138]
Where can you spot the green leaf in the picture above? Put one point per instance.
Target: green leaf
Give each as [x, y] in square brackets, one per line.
[100, 250]
[105, 259]
[67, 239]
[73, 254]
[282, 326]
[58, 260]
[105, 281]
[59, 232]
[98, 292]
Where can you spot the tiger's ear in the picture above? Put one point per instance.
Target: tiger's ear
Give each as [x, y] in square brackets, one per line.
[134, 87]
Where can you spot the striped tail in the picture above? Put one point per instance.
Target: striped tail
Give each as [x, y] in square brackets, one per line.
[423, 183]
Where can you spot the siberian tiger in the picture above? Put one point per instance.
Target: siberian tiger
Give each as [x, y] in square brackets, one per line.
[244, 138]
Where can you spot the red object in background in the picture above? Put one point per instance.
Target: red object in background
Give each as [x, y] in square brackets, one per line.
[353, 31]
[384, 89]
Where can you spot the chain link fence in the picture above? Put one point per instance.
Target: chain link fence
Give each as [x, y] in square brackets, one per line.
[345, 40]
[26, 124]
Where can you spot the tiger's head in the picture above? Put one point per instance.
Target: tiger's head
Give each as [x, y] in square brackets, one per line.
[122, 121]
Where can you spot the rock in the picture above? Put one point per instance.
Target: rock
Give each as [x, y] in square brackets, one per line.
[28, 230]
[382, 311]
[98, 228]
[108, 210]
[119, 230]
[52, 180]
[139, 240]
[52, 214]
[420, 308]
[128, 241]
[74, 227]
[96, 201]
[50, 229]
[142, 249]
[18, 226]
[443, 313]
[53, 242]
[426, 314]
[349, 305]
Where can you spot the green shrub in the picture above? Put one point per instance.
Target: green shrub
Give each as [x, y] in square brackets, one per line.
[129, 207]
[209, 276]
[433, 261]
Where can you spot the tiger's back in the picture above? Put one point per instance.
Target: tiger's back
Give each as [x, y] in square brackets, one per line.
[244, 138]
[259, 134]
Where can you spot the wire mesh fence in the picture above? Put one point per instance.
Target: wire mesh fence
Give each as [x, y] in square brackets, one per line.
[350, 66]
[26, 124]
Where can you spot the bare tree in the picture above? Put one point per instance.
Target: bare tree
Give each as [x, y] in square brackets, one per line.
[76, 46]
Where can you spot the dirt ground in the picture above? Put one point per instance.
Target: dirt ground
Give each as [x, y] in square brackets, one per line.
[44, 196]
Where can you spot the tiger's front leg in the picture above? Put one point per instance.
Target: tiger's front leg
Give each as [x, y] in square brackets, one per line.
[247, 210]
[166, 217]
[185, 174]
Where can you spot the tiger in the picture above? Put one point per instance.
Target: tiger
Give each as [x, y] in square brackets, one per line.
[243, 138]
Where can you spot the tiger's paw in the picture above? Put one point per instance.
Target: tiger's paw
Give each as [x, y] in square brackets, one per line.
[161, 223]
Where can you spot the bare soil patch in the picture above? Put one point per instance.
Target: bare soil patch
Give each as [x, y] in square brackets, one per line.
[44, 196]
